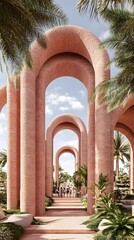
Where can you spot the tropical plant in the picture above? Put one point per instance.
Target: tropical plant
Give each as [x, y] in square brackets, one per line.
[3, 158]
[95, 7]
[100, 186]
[93, 222]
[117, 226]
[48, 201]
[115, 92]
[82, 174]
[123, 183]
[64, 177]
[121, 150]
[21, 22]
[9, 231]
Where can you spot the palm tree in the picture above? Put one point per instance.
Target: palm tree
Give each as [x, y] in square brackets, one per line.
[116, 91]
[96, 7]
[121, 23]
[3, 158]
[121, 150]
[82, 174]
[21, 21]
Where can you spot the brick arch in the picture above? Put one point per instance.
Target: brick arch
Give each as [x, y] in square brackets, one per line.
[86, 61]
[65, 149]
[65, 121]
[130, 136]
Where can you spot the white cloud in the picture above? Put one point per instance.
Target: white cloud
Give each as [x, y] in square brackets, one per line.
[76, 105]
[3, 129]
[48, 110]
[104, 35]
[2, 116]
[63, 109]
[64, 102]
[82, 93]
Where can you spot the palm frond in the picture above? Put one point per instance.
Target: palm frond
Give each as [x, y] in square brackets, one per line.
[22, 21]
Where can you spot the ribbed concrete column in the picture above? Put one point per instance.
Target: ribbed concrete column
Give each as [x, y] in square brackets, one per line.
[49, 166]
[131, 169]
[91, 157]
[28, 142]
[40, 152]
[57, 169]
[13, 147]
[102, 144]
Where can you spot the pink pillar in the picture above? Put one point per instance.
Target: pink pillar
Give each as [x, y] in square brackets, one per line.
[131, 169]
[102, 144]
[28, 142]
[13, 147]
[57, 169]
[40, 152]
[49, 166]
[91, 157]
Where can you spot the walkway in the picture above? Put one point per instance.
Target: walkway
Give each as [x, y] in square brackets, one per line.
[63, 221]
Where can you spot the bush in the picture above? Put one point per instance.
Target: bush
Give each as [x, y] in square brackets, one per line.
[13, 211]
[93, 222]
[36, 222]
[10, 231]
[99, 236]
[48, 201]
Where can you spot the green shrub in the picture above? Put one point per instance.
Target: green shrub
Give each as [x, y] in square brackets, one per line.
[99, 236]
[118, 226]
[10, 231]
[36, 222]
[13, 211]
[3, 197]
[48, 201]
[93, 222]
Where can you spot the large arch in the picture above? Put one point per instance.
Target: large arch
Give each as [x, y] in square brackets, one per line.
[65, 149]
[11, 96]
[75, 52]
[65, 121]
[123, 119]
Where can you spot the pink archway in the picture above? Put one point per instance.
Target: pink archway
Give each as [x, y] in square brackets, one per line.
[71, 51]
[65, 121]
[62, 150]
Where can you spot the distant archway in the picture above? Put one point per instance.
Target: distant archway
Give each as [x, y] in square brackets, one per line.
[65, 121]
[62, 150]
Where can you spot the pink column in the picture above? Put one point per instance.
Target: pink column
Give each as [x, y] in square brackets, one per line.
[102, 144]
[13, 147]
[40, 151]
[49, 165]
[28, 142]
[91, 157]
[131, 169]
[102, 122]
[57, 169]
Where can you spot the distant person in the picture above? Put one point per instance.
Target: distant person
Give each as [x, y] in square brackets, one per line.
[61, 191]
[64, 191]
[70, 192]
[67, 191]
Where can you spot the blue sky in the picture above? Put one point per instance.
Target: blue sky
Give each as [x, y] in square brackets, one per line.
[66, 94]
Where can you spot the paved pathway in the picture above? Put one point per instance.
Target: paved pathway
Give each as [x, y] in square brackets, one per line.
[61, 224]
